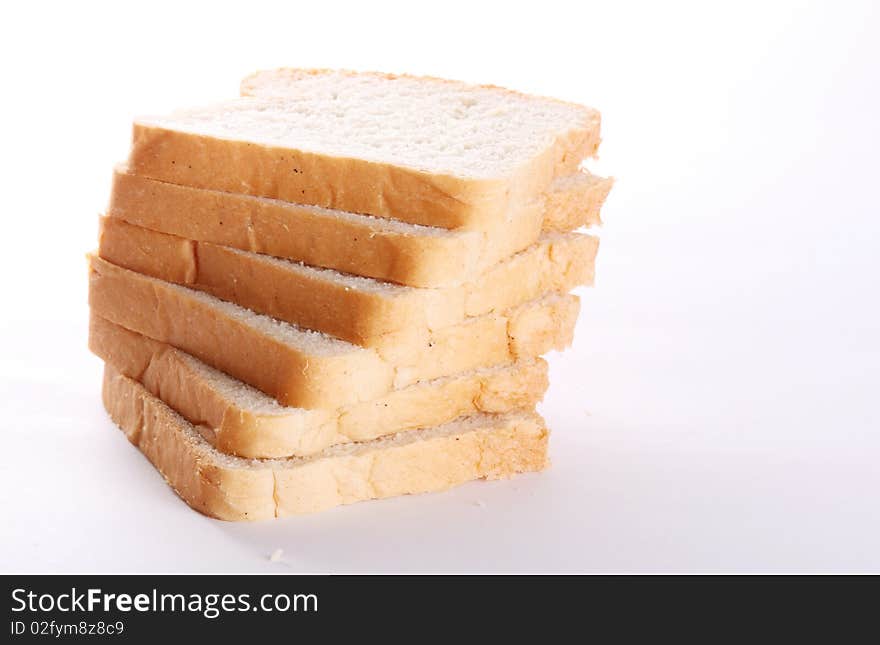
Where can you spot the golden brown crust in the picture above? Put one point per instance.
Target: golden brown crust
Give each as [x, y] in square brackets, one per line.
[367, 317]
[233, 489]
[556, 263]
[176, 378]
[295, 377]
[356, 245]
[301, 378]
[526, 331]
[356, 185]
[352, 245]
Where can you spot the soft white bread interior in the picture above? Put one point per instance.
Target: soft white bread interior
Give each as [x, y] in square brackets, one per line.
[233, 488]
[410, 254]
[309, 369]
[239, 419]
[430, 124]
[360, 310]
[422, 150]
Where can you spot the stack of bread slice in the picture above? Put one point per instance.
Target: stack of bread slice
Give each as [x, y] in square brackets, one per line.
[339, 286]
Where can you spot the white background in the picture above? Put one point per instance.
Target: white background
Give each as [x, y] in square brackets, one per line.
[719, 408]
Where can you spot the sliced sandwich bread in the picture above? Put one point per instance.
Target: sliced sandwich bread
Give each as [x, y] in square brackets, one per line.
[379, 248]
[309, 369]
[421, 150]
[238, 419]
[233, 488]
[362, 311]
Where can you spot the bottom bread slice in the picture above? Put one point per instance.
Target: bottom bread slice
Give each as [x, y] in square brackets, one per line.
[232, 488]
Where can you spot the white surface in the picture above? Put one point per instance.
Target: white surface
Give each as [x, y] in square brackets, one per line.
[718, 411]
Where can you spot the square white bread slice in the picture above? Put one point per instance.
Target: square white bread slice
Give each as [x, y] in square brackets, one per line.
[309, 369]
[238, 419]
[233, 488]
[421, 150]
[360, 310]
[410, 254]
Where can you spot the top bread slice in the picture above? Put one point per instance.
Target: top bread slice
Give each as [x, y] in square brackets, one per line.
[421, 150]
[388, 250]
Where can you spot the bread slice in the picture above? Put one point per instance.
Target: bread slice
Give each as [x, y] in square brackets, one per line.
[421, 150]
[240, 420]
[574, 201]
[309, 369]
[390, 250]
[232, 488]
[362, 311]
